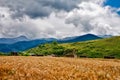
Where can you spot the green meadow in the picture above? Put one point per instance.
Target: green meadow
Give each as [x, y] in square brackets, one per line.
[92, 49]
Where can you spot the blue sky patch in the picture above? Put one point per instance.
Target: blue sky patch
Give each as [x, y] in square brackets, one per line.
[113, 3]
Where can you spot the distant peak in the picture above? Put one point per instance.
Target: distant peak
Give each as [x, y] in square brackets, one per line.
[89, 35]
[22, 37]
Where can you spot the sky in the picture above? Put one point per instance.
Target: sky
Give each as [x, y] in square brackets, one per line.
[58, 18]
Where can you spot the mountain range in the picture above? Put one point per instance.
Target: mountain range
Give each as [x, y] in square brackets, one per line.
[22, 43]
[79, 38]
[13, 40]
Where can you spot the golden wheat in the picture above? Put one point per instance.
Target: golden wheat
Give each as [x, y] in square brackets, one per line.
[53, 68]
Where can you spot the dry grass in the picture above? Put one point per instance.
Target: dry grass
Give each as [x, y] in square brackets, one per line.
[49, 68]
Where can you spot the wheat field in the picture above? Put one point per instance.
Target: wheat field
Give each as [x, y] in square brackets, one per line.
[58, 68]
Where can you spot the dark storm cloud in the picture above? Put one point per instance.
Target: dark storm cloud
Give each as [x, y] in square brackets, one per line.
[38, 8]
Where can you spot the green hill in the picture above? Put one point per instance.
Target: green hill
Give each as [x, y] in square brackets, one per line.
[94, 49]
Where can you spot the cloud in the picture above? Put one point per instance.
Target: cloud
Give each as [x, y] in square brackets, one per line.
[93, 18]
[51, 26]
[57, 18]
[38, 8]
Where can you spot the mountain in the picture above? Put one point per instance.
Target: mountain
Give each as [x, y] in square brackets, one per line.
[105, 36]
[24, 45]
[13, 40]
[79, 38]
[93, 49]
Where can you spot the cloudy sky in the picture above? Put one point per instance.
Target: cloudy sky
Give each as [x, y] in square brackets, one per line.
[59, 18]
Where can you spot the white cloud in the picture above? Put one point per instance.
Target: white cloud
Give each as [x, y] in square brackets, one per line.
[89, 17]
[51, 26]
[93, 18]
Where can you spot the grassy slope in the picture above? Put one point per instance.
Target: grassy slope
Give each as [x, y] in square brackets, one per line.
[95, 48]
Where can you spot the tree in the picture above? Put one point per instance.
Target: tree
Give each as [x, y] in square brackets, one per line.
[55, 43]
